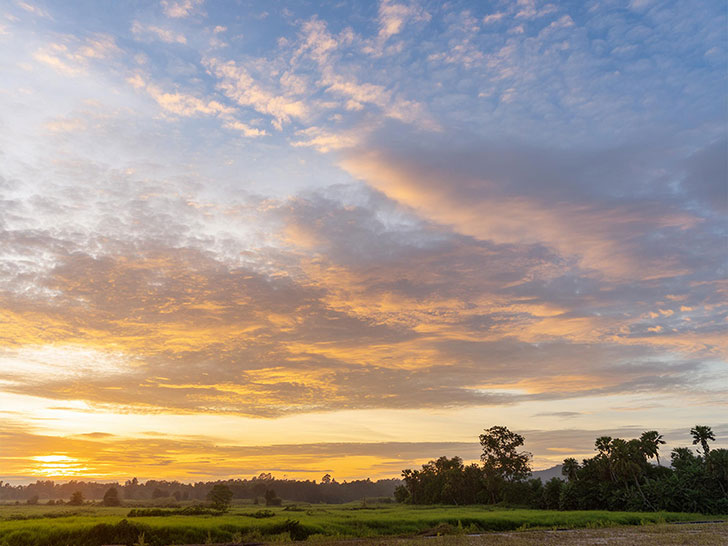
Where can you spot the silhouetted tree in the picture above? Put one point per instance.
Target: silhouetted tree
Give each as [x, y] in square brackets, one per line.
[220, 497]
[701, 435]
[111, 497]
[717, 467]
[271, 499]
[651, 441]
[76, 499]
[552, 493]
[628, 461]
[570, 468]
[603, 445]
[502, 462]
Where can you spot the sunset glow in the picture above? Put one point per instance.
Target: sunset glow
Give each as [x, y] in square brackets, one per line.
[57, 466]
[346, 238]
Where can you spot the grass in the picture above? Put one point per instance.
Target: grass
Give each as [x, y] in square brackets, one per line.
[91, 525]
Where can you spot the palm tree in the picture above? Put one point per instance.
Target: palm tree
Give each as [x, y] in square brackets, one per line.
[628, 461]
[603, 445]
[570, 468]
[651, 441]
[701, 434]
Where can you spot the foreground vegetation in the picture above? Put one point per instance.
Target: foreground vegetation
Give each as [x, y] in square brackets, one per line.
[93, 526]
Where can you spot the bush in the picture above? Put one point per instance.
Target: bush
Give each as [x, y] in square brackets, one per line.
[195, 510]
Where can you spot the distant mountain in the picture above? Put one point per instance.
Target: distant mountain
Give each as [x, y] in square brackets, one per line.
[546, 475]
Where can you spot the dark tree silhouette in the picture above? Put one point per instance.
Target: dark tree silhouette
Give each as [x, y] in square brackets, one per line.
[651, 441]
[570, 469]
[271, 499]
[111, 497]
[502, 462]
[501, 456]
[701, 434]
[717, 466]
[76, 499]
[220, 497]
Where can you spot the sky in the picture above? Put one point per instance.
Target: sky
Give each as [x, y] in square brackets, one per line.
[346, 237]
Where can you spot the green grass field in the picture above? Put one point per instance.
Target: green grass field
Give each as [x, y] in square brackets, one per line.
[93, 525]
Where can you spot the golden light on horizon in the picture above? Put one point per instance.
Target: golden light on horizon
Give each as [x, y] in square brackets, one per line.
[51, 466]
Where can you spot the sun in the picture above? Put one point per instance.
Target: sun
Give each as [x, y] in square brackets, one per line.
[58, 465]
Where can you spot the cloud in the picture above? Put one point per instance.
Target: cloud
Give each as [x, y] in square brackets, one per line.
[244, 128]
[325, 141]
[706, 172]
[493, 17]
[527, 9]
[180, 8]
[363, 306]
[187, 105]
[521, 194]
[393, 16]
[32, 8]
[152, 31]
[236, 83]
[71, 55]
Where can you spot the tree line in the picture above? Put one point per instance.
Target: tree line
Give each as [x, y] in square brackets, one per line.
[620, 476]
[328, 490]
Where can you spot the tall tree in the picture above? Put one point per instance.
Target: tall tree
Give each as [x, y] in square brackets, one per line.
[651, 441]
[502, 460]
[570, 468]
[701, 434]
[111, 497]
[501, 455]
[628, 461]
[603, 445]
[220, 497]
[717, 466]
[76, 499]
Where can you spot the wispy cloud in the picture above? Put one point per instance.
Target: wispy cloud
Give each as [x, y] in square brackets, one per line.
[166, 35]
[236, 83]
[32, 8]
[394, 15]
[180, 8]
[71, 56]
